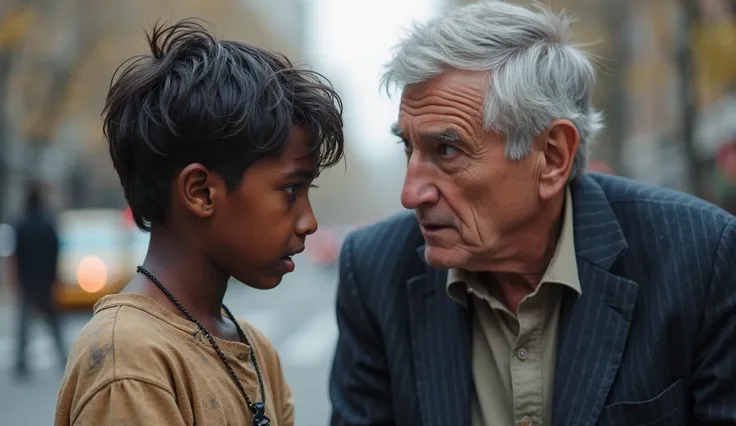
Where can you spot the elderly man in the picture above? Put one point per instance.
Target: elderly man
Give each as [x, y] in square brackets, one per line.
[523, 291]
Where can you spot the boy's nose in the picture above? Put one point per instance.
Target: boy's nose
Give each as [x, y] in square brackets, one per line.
[307, 223]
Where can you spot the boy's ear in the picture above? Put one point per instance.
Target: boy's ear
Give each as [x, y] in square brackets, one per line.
[198, 188]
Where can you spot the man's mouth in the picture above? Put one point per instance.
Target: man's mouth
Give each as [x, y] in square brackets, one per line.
[434, 227]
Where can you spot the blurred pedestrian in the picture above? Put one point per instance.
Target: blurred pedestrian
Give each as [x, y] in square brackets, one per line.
[35, 264]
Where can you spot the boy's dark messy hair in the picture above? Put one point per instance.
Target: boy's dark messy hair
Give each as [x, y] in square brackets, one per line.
[221, 103]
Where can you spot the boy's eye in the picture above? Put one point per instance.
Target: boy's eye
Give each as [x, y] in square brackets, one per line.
[293, 191]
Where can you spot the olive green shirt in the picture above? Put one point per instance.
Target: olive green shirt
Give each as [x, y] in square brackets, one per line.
[513, 355]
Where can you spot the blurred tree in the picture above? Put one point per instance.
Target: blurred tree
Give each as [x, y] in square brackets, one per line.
[55, 68]
[715, 70]
[53, 57]
[611, 81]
[685, 64]
[41, 44]
[17, 17]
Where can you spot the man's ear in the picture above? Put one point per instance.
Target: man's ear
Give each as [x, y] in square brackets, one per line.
[198, 188]
[559, 146]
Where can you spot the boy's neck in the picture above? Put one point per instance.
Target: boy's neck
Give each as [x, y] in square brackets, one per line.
[193, 281]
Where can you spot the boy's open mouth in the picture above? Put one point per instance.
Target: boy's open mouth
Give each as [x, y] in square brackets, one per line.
[286, 265]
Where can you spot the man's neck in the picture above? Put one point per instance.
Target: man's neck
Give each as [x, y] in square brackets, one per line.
[193, 281]
[526, 259]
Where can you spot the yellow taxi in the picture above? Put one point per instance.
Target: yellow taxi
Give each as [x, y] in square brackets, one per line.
[99, 252]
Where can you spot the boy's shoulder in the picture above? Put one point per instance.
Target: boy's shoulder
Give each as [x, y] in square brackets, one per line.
[127, 337]
[132, 336]
[134, 344]
[266, 354]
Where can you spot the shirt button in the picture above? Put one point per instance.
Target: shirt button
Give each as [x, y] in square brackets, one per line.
[525, 421]
[523, 354]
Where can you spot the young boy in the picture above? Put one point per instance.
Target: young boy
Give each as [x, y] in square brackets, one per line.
[216, 144]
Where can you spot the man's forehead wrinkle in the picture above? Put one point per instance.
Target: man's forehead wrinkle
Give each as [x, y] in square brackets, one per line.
[448, 101]
[457, 93]
[465, 117]
[466, 100]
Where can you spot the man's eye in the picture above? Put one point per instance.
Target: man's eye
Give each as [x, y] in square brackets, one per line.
[447, 150]
[405, 144]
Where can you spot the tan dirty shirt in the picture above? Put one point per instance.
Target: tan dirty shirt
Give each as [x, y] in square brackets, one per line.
[513, 355]
[138, 363]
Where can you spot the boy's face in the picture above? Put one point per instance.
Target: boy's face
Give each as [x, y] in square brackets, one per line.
[252, 231]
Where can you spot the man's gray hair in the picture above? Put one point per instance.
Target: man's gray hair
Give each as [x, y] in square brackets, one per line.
[536, 74]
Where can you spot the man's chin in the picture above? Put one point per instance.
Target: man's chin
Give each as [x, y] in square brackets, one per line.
[442, 258]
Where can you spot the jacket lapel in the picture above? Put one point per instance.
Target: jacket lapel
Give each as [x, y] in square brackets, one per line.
[440, 343]
[593, 327]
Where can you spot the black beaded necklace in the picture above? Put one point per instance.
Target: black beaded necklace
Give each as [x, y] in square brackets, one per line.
[258, 408]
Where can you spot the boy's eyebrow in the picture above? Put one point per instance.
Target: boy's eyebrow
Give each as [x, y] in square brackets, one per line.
[303, 173]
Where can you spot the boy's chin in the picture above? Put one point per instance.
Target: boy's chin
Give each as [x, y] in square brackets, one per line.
[264, 283]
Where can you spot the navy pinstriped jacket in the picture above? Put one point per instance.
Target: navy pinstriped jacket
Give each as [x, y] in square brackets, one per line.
[651, 341]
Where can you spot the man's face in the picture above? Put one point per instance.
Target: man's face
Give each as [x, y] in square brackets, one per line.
[469, 199]
[267, 218]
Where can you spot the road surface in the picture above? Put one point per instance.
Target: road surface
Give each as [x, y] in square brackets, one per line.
[297, 316]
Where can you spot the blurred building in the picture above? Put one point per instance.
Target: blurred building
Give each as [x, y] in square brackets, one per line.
[63, 69]
[62, 65]
[66, 65]
[635, 43]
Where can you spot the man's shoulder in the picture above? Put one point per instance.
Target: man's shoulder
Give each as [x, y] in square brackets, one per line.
[659, 225]
[387, 247]
[396, 232]
[629, 198]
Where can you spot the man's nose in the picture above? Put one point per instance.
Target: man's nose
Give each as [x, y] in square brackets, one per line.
[418, 188]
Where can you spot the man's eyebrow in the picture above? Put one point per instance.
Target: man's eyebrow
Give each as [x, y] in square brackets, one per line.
[448, 135]
[396, 131]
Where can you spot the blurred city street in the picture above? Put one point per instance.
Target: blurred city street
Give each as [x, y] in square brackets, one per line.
[666, 84]
[297, 316]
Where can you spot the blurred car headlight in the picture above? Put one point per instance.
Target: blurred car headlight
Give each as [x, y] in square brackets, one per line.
[91, 274]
